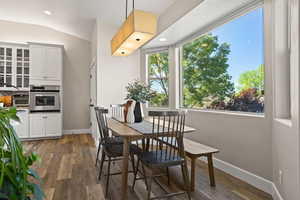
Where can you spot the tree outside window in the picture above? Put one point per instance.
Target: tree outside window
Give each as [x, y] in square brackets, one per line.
[224, 70]
[221, 70]
[158, 72]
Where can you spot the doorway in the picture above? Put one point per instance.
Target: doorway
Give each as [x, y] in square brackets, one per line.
[93, 99]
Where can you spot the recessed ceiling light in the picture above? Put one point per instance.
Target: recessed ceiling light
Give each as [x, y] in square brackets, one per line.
[47, 12]
[163, 39]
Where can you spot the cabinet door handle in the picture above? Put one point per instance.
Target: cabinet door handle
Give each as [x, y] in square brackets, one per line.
[45, 117]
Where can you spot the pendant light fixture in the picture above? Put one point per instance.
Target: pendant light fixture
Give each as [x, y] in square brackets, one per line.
[138, 28]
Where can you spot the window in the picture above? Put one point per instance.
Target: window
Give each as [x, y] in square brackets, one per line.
[224, 69]
[158, 72]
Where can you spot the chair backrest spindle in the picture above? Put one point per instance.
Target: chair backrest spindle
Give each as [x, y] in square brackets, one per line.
[102, 122]
[167, 132]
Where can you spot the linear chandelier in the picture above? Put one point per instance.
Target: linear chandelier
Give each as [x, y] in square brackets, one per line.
[138, 28]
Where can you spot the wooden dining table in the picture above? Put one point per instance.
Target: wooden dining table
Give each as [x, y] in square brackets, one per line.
[129, 134]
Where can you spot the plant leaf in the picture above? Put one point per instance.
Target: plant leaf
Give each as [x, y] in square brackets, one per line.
[3, 196]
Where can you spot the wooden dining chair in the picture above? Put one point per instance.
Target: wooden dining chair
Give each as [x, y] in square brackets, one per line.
[104, 131]
[112, 147]
[167, 128]
[117, 111]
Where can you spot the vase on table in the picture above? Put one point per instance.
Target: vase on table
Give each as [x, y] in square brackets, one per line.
[138, 112]
[127, 106]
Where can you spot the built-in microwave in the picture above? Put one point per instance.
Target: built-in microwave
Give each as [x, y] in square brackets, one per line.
[44, 98]
[21, 99]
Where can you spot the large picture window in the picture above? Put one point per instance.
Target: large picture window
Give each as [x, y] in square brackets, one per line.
[158, 72]
[224, 69]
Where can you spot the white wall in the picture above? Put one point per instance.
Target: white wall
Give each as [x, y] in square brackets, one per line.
[114, 73]
[243, 141]
[285, 140]
[94, 42]
[77, 57]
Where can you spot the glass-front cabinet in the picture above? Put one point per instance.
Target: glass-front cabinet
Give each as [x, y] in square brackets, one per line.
[14, 67]
[22, 75]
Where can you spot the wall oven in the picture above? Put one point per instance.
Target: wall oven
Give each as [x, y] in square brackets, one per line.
[44, 98]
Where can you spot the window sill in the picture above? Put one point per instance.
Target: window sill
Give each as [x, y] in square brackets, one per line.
[286, 122]
[217, 112]
[157, 108]
[230, 113]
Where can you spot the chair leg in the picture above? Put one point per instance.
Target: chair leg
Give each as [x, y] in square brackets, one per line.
[101, 165]
[132, 161]
[135, 173]
[145, 176]
[98, 151]
[107, 178]
[150, 184]
[186, 179]
[168, 175]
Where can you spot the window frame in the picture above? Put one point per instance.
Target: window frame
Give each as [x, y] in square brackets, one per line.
[223, 21]
[146, 55]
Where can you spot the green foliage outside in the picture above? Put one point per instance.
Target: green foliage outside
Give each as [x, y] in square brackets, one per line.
[205, 78]
[252, 79]
[158, 70]
[18, 181]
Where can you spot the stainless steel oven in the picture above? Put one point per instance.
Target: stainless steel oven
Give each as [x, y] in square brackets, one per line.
[44, 98]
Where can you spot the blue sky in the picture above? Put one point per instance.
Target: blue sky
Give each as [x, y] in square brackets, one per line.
[245, 37]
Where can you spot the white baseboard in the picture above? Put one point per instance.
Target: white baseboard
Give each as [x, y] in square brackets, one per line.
[248, 177]
[77, 131]
[275, 194]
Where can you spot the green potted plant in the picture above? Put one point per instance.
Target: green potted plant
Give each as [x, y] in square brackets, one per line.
[140, 93]
[17, 180]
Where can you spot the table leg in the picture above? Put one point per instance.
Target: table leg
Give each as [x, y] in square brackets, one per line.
[125, 168]
[193, 168]
[211, 170]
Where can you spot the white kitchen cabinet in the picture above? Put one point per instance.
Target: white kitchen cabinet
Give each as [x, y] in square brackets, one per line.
[45, 125]
[14, 67]
[53, 63]
[37, 62]
[53, 125]
[37, 125]
[22, 127]
[46, 63]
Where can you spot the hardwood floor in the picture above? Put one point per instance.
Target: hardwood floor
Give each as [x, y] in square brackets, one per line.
[69, 173]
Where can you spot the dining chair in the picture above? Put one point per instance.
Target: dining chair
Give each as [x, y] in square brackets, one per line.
[165, 149]
[112, 147]
[117, 111]
[104, 131]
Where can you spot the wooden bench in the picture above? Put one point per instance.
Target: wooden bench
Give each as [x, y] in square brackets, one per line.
[194, 150]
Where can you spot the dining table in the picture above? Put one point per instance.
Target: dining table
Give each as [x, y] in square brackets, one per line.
[131, 132]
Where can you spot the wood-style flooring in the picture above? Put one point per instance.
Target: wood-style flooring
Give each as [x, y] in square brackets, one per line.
[68, 172]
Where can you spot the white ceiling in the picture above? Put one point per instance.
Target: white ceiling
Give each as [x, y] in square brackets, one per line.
[76, 17]
[206, 13]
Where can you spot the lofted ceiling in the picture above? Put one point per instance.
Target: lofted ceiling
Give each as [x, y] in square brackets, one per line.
[206, 13]
[75, 17]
